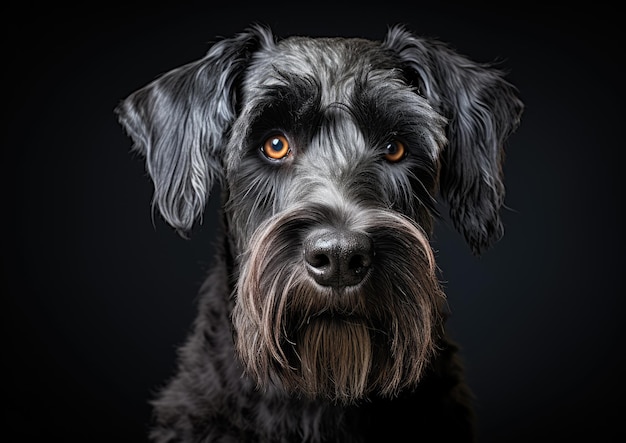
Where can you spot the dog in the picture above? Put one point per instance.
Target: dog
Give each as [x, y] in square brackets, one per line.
[323, 316]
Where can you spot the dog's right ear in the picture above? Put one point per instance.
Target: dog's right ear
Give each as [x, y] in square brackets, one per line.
[178, 123]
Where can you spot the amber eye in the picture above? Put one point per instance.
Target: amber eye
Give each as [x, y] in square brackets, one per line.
[276, 147]
[395, 151]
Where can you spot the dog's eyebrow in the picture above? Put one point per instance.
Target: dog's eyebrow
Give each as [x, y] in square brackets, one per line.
[384, 105]
[288, 104]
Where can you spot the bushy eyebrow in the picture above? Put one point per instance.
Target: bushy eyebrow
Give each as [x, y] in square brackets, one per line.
[294, 105]
[381, 105]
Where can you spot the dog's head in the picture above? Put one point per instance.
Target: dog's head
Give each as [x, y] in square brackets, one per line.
[331, 153]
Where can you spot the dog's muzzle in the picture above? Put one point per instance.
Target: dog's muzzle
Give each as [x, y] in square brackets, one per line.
[338, 258]
[337, 305]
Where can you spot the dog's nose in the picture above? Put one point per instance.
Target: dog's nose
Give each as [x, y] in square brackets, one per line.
[338, 258]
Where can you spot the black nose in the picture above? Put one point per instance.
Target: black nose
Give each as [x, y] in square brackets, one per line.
[338, 258]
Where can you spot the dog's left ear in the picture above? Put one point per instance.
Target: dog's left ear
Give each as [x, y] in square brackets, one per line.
[178, 123]
[482, 111]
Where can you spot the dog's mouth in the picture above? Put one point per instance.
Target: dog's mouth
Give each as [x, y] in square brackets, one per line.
[328, 304]
[337, 315]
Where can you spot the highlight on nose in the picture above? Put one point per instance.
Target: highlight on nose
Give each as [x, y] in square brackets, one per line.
[338, 258]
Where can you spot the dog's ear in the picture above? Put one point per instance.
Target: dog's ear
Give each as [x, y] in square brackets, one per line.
[179, 120]
[482, 111]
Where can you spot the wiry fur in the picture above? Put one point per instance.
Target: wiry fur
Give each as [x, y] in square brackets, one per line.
[277, 354]
[333, 345]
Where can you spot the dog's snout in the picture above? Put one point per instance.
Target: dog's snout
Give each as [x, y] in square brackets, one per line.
[338, 258]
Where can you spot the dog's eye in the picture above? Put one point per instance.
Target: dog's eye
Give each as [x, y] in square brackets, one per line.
[276, 147]
[395, 151]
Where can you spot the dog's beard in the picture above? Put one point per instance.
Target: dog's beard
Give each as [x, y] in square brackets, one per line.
[340, 345]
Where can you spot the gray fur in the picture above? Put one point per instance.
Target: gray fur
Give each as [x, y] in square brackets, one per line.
[276, 355]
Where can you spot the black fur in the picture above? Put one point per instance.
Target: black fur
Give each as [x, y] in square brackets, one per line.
[372, 133]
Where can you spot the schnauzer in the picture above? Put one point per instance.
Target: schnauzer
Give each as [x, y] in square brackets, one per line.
[323, 316]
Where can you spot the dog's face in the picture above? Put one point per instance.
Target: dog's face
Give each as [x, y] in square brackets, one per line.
[331, 153]
[331, 166]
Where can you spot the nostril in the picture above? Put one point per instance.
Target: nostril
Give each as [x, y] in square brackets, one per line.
[320, 254]
[359, 263]
[318, 260]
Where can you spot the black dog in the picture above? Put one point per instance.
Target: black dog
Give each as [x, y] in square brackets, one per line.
[323, 317]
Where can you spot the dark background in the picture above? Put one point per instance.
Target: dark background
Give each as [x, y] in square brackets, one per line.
[97, 294]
